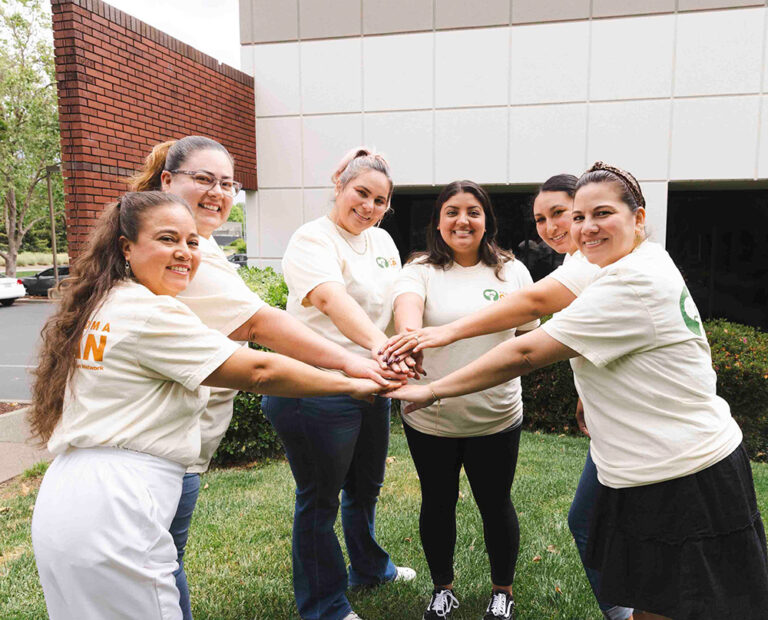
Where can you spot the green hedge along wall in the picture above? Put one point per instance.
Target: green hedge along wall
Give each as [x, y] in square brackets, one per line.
[739, 356]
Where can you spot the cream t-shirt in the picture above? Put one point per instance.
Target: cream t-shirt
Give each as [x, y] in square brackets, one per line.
[645, 373]
[220, 298]
[451, 294]
[366, 264]
[576, 273]
[137, 381]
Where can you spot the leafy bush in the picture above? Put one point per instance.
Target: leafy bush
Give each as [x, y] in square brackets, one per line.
[250, 436]
[240, 246]
[739, 356]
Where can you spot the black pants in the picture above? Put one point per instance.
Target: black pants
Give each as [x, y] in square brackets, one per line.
[489, 462]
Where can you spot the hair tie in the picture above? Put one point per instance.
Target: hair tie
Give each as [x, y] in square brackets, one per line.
[625, 177]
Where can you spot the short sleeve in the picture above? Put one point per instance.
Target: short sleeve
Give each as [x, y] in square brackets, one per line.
[523, 277]
[609, 320]
[412, 279]
[575, 275]
[175, 344]
[220, 298]
[308, 262]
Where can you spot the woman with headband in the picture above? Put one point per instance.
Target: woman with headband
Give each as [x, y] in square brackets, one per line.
[118, 395]
[201, 171]
[676, 531]
[340, 270]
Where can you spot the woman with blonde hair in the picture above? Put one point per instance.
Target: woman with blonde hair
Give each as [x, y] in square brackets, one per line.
[118, 395]
[340, 270]
[201, 171]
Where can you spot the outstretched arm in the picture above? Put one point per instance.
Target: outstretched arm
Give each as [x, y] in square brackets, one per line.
[279, 331]
[277, 375]
[519, 307]
[510, 359]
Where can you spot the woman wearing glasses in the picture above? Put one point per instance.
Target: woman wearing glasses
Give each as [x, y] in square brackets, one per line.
[200, 171]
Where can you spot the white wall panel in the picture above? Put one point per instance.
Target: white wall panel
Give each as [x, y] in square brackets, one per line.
[655, 210]
[281, 215]
[719, 52]
[276, 78]
[549, 62]
[546, 140]
[278, 158]
[625, 64]
[398, 72]
[246, 59]
[472, 67]
[631, 134]
[275, 263]
[471, 144]
[762, 159]
[326, 140]
[407, 140]
[317, 202]
[714, 138]
[331, 76]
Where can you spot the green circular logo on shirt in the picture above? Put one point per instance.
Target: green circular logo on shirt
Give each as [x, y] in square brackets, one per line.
[491, 294]
[690, 312]
[382, 262]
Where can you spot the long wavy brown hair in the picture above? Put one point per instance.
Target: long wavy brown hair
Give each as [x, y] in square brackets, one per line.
[440, 254]
[170, 155]
[93, 276]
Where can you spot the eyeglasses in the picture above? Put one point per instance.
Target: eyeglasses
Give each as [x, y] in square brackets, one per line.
[207, 181]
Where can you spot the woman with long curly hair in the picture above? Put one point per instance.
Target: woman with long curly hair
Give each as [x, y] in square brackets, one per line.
[118, 396]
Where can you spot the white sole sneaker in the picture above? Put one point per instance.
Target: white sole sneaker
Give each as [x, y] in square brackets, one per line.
[404, 574]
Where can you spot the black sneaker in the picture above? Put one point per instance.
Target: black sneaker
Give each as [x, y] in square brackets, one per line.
[439, 608]
[501, 606]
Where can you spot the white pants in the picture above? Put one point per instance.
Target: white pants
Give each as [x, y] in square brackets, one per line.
[101, 539]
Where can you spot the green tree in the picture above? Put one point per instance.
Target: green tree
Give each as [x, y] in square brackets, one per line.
[29, 126]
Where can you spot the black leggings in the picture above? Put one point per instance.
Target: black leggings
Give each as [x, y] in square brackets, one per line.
[490, 463]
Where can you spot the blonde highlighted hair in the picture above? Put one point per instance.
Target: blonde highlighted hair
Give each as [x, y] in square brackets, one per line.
[356, 162]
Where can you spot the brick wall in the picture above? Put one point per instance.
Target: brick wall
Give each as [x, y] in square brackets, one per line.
[123, 87]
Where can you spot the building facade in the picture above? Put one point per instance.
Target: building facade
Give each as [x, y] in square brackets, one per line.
[507, 93]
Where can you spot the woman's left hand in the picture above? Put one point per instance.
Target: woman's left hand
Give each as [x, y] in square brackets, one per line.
[417, 396]
[365, 368]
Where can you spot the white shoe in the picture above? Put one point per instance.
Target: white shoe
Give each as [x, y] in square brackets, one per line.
[352, 616]
[404, 574]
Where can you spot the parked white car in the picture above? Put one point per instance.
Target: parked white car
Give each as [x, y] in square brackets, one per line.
[10, 290]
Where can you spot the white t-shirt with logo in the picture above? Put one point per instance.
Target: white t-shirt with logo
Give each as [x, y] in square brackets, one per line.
[576, 273]
[450, 294]
[645, 373]
[137, 381]
[366, 264]
[218, 295]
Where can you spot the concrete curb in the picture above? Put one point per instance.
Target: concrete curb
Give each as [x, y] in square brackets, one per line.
[13, 428]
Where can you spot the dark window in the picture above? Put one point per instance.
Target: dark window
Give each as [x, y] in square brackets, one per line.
[719, 240]
[517, 232]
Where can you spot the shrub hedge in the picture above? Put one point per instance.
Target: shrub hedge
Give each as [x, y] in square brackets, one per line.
[739, 356]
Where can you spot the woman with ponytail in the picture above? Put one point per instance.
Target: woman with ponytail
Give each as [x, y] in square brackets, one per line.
[118, 396]
[340, 270]
[201, 171]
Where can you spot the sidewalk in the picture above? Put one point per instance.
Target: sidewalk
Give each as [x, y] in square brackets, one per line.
[17, 451]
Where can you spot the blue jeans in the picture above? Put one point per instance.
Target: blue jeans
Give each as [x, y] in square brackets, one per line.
[180, 532]
[579, 519]
[333, 443]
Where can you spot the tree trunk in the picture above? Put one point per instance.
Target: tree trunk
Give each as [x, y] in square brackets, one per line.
[13, 240]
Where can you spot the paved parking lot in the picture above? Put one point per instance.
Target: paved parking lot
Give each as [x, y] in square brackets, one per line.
[20, 326]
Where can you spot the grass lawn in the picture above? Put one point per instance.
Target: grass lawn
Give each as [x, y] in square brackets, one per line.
[238, 557]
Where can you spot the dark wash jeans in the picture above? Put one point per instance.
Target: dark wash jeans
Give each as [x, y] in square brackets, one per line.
[579, 518]
[333, 444]
[180, 532]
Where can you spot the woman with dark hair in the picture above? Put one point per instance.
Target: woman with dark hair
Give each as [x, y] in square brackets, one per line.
[463, 271]
[552, 208]
[676, 531]
[201, 170]
[118, 396]
[340, 269]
